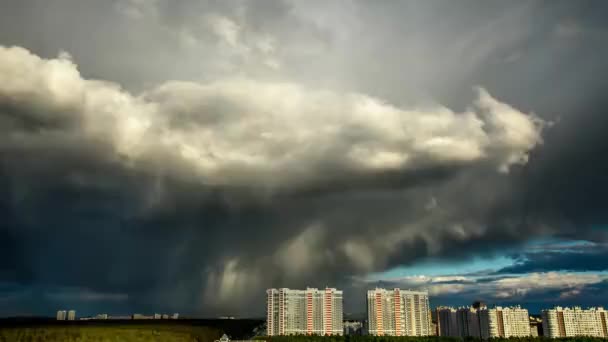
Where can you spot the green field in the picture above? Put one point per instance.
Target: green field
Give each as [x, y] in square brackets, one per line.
[187, 333]
[126, 333]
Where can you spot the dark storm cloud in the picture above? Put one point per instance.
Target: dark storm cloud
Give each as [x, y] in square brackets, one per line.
[270, 170]
[587, 259]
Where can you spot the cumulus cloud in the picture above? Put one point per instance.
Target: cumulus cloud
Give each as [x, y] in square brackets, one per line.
[517, 286]
[237, 132]
[523, 288]
[242, 133]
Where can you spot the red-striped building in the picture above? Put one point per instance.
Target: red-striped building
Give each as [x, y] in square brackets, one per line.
[310, 312]
[398, 313]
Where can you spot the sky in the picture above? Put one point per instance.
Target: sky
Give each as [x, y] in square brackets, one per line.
[186, 155]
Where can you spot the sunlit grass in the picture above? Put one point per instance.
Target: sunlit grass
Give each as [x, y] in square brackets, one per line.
[129, 333]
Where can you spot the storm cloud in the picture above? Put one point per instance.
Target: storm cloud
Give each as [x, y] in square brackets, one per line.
[186, 155]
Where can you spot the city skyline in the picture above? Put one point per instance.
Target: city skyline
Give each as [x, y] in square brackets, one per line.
[185, 156]
[362, 314]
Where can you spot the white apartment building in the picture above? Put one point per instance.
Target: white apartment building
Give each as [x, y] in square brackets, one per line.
[61, 315]
[398, 313]
[570, 322]
[304, 312]
[504, 322]
[71, 315]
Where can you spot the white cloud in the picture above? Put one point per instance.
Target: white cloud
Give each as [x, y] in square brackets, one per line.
[136, 9]
[242, 131]
[226, 29]
[515, 286]
[444, 289]
[443, 279]
[549, 280]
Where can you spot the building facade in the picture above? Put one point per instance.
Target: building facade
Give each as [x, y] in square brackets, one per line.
[569, 322]
[61, 315]
[461, 322]
[446, 322]
[398, 313]
[504, 322]
[71, 315]
[304, 312]
[468, 322]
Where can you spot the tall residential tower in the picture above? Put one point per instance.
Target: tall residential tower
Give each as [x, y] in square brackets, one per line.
[504, 322]
[306, 312]
[398, 313]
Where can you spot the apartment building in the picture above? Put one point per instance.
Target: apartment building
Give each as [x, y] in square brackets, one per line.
[61, 315]
[468, 322]
[446, 321]
[504, 322]
[398, 313]
[569, 322]
[461, 322]
[304, 312]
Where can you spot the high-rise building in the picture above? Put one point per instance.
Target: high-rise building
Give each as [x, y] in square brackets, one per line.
[504, 322]
[570, 322]
[61, 315]
[175, 316]
[446, 322]
[398, 313]
[461, 322]
[71, 315]
[306, 312]
[468, 321]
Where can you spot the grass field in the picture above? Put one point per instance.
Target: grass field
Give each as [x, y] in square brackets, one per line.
[196, 333]
[126, 333]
